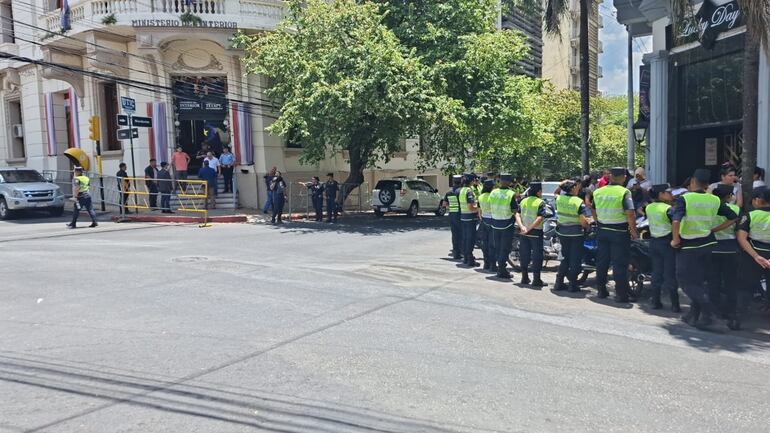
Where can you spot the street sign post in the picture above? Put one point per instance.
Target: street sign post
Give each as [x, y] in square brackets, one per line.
[122, 120]
[128, 134]
[141, 122]
[128, 105]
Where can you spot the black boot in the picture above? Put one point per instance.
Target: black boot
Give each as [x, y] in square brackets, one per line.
[692, 316]
[574, 287]
[487, 265]
[602, 293]
[559, 286]
[502, 272]
[524, 277]
[536, 281]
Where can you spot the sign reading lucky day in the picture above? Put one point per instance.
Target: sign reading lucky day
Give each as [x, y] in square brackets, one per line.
[709, 22]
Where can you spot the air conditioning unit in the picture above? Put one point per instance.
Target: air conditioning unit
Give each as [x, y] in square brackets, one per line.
[18, 130]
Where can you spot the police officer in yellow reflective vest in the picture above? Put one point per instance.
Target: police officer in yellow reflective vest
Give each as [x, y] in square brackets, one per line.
[570, 226]
[485, 227]
[530, 217]
[80, 187]
[502, 202]
[469, 218]
[722, 272]
[613, 209]
[692, 232]
[753, 235]
[452, 204]
[662, 256]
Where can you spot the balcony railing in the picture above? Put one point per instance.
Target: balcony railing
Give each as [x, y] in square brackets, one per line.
[90, 13]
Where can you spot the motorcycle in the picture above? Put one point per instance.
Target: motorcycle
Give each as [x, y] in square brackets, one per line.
[551, 246]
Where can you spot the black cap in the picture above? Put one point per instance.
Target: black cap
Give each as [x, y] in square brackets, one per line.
[491, 174]
[758, 192]
[766, 195]
[655, 190]
[702, 175]
[163, 164]
[506, 178]
[534, 187]
[457, 177]
[489, 182]
[723, 191]
[618, 171]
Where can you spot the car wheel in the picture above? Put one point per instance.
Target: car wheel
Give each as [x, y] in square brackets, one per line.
[56, 211]
[387, 196]
[378, 213]
[441, 211]
[5, 213]
[414, 209]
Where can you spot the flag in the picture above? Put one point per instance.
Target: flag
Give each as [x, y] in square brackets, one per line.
[65, 16]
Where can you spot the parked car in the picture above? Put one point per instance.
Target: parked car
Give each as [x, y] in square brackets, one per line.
[27, 189]
[401, 194]
[548, 192]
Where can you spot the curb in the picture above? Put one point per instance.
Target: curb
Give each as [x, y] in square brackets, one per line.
[223, 219]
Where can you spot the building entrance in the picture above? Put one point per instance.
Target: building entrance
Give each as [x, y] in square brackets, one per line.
[200, 107]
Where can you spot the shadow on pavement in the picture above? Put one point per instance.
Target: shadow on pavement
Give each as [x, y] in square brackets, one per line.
[718, 339]
[368, 225]
[228, 404]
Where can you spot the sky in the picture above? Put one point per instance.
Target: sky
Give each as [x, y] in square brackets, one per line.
[614, 60]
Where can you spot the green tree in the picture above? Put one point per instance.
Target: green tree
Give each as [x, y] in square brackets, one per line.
[342, 82]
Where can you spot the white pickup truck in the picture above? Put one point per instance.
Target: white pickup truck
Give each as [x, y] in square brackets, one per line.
[24, 188]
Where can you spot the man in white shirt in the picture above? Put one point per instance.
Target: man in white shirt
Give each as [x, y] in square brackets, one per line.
[213, 162]
[640, 178]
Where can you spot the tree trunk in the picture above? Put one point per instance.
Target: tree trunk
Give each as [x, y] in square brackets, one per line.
[750, 115]
[585, 87]
[356, 176]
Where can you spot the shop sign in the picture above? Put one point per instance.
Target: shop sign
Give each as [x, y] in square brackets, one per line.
[644, 95]
[179, 23]
[709, 22]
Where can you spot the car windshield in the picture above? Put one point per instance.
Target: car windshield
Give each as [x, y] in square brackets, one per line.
[388, 184]
[21, 176]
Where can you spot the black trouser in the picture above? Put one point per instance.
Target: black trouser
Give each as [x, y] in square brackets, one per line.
[691, 272]
[457, 234]
[749, 275]
[123, 208]
[331, 208]
[469, 239]
[318, 206]
[152, 188]
[490, 250]
[722, 279]
[278, 202]
[503, 239]
[227, 173]
[84, 203]
[531, 252]
[663, 260]
[572, 257]
[613, 248]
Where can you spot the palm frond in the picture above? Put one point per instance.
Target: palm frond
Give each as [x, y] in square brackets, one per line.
[553, 14]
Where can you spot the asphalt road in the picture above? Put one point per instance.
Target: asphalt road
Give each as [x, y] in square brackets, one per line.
[358, 327]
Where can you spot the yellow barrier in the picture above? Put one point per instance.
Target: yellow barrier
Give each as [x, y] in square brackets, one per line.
[188, 192]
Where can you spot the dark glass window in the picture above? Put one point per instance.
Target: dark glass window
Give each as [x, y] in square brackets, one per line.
[712, 91]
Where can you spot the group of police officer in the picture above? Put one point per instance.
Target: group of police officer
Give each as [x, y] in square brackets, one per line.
[698, 241]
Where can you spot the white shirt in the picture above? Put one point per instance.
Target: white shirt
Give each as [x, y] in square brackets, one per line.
[646, 184]
[214, 163]
[758, 183]
[737, 190]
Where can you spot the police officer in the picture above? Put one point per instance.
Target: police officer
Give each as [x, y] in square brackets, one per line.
[80, 187]
[753, 235]
[316, 196]
[532, 212]
[331, 187]
[722, 272]
[468, 219]
[570, 226]
[452, 204]
[692, 232]
[613, 209]
[662, 256]
[502, 203]
[485, 229]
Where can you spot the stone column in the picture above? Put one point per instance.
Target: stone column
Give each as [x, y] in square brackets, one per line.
[658, 132]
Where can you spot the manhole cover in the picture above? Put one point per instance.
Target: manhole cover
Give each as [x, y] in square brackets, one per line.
[191, 259]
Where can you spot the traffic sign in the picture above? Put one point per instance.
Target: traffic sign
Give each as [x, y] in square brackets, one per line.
[141, 122]
[128, 104]
[126, 134]
[122, 120]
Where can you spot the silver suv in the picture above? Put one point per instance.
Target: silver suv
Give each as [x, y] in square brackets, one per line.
[27, 189]
[402, 194]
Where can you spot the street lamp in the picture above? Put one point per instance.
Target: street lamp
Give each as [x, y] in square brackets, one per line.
[640, 132]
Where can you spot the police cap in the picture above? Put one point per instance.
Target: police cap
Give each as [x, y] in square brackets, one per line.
[723, 191]
[655, 190]
[506, 178]
[758, 192]
[457, 177]
[702, 175]
[766, 195]
[489, 182]
[618, 171]
[534, 187]
[78, 168]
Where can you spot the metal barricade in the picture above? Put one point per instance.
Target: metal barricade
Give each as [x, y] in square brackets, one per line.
[180, 195]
